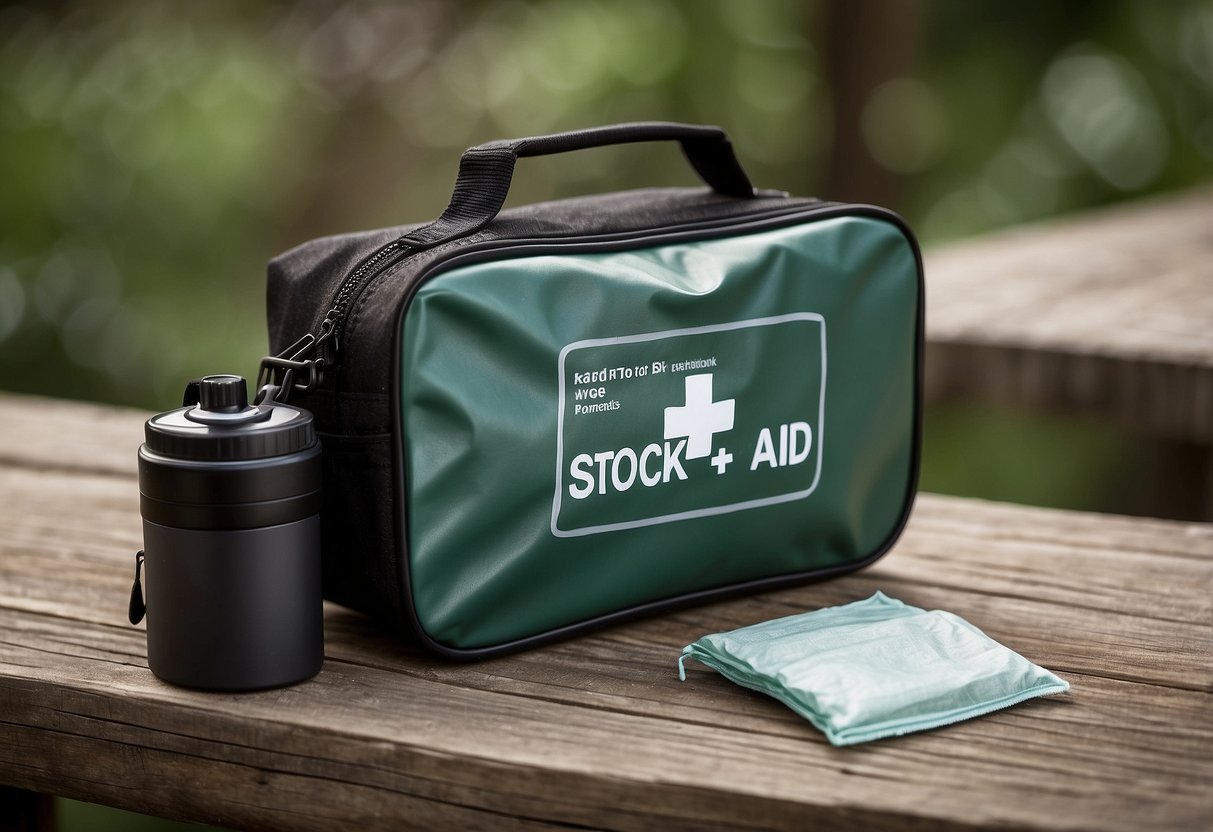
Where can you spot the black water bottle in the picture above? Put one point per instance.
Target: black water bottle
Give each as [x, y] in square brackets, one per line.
[230, 498]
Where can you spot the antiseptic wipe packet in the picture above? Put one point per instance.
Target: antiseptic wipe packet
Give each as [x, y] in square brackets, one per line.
[875, 668]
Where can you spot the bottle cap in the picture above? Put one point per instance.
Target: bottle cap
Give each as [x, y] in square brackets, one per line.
[227, 394]
[223, 426]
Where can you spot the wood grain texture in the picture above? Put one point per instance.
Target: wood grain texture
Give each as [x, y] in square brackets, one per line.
[1109, 313]
[598, 732]
[38, 432]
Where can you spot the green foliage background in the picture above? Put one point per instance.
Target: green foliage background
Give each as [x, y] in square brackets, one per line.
[153, 155]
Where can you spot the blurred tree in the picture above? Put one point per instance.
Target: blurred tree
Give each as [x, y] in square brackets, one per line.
[154, 155]
[861, 169]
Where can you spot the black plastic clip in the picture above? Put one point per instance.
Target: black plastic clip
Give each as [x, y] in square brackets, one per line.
[276, 392]
[291, 369]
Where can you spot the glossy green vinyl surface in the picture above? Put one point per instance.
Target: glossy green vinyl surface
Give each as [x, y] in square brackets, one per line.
[589, 432]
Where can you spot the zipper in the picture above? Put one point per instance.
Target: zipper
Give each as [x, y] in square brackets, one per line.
[315, 352]
[351, 287]
[302, 365]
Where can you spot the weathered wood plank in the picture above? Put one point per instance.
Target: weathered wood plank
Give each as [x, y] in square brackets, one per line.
[598, 731]
[1110, 313]
[509, 752]
[1109, 592]
[39, 432]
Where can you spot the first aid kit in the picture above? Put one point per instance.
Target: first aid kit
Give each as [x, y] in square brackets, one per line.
[548, 418]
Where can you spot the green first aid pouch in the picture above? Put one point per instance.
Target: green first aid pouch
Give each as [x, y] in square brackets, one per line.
[552, 417]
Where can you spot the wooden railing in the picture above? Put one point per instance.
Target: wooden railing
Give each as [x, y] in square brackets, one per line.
[598, 731]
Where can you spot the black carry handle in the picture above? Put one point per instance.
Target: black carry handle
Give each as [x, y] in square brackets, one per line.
[485, 171]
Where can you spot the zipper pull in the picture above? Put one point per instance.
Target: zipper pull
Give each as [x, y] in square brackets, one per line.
[326, 343]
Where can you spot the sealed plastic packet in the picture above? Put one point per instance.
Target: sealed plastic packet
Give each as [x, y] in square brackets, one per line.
[875, 668]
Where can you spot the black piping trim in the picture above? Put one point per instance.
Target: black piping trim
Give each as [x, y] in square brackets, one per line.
[502, 249]
[390, 264]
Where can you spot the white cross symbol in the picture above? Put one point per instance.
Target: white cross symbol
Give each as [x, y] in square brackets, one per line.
[721, 460]
[700, 417]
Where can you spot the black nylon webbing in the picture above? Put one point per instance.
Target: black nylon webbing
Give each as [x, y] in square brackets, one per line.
[486, 171]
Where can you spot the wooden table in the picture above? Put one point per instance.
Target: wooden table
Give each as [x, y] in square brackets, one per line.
[598, 732]
[1109, 312]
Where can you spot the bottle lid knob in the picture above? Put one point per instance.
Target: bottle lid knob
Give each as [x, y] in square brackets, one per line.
[217, 423]
[223, 394]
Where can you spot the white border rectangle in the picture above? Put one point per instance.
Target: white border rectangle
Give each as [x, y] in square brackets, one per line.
[701, 512]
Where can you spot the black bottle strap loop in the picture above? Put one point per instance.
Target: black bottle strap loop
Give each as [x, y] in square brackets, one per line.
[137, 608]
[486, 171]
